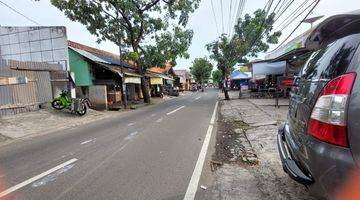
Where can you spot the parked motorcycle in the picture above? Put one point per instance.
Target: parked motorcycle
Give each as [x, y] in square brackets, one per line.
[75, 105]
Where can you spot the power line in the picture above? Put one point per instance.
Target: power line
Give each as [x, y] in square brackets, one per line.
[317, 2]
[239, 12]
[286, 25]
[229, 22]
[277, 5]
[282, 4]
[213, 11]
[290, 18]
[280, 13]
[18, 12]
[241, 9]
[259, 34]
[222, 15]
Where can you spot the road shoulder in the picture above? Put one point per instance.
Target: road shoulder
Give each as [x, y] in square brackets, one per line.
[245, 163]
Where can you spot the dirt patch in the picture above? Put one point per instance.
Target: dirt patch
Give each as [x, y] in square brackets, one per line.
[232, 145]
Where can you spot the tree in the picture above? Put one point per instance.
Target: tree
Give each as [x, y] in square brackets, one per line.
[252, 36]
[201, 70]
[216, 76]
[152, 32]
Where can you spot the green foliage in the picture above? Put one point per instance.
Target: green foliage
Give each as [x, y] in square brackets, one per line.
[225, 52]
[255, 32]
[169, 46]
[201, 70]
[252, 36]
[216, 76]
[150, 31]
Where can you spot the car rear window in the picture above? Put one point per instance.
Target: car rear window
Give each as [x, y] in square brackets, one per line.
[332, 60]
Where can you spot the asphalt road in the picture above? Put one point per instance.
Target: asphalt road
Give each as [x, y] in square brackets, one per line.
[149, 153]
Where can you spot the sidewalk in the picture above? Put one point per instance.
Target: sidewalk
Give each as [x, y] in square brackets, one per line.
[48, 120]
[246, 146]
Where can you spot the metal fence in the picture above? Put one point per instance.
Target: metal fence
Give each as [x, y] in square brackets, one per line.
[24, 86]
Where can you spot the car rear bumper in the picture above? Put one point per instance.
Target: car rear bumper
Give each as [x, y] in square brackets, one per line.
[322, 167]
[289, 165]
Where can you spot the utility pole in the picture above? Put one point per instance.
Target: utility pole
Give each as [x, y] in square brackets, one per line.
[123, 84]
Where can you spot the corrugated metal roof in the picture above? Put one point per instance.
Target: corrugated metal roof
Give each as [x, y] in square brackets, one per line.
[113, 68]
[90, 56]
[100, 58]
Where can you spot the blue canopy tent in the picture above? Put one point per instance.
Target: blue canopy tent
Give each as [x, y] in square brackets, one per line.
[239, 78]
[238, 75]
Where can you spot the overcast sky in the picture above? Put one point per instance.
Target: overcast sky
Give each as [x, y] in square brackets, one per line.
[202, 21]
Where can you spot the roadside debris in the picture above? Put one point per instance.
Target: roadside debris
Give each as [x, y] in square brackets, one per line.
[233, 145]
[246, 145]
[215, 164]
[203, 187]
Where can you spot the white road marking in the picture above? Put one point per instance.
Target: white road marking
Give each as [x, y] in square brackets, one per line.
[153, 115]
[87, 141]
[194, 181]
[131, 124]
[159, 120]
[131, 135]
[37, 177]
[91, 171]
[52, 177]
[197, 98]
[169, 113]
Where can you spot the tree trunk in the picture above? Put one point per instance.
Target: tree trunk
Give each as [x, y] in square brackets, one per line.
[225, 88]
[145, 90]
[226, 93]
[144, 85]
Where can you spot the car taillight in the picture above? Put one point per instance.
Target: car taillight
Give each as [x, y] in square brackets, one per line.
[328, 118]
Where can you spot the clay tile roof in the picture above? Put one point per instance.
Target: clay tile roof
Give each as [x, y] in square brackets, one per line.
[161, 70]
[157, 70]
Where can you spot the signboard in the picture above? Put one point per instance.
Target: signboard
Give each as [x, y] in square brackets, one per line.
[284, 82]
[156, 81]
[135, 80]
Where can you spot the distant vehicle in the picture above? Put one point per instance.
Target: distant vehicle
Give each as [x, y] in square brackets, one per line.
[194, 87]
[174, 91]
[319, 145]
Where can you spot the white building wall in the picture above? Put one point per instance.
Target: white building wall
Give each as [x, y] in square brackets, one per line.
[38, 44]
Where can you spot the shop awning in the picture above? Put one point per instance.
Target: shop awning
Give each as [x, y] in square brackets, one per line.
[268, 68]
[132, 74]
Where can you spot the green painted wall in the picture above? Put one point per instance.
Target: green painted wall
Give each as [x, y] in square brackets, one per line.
[80, 67]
